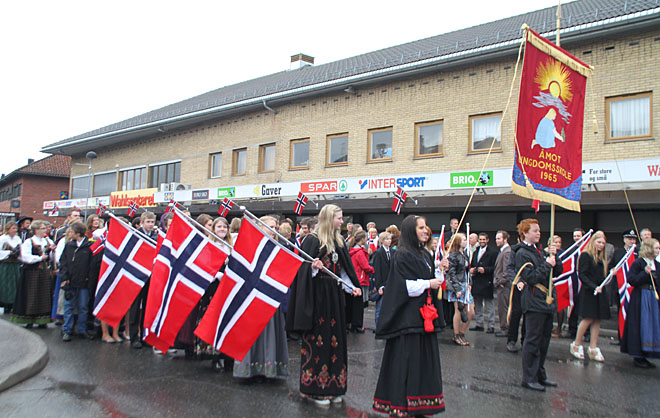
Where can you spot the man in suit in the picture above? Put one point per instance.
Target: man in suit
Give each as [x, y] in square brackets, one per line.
[381, 260]
[502, 281]
[482, 267]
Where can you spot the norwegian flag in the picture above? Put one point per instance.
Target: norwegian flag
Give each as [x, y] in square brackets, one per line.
[186, 264]
[102, 208]
[564, 282]
[132, 208]
[171, 205]
[99, 244]
[373, 243]
[55, 211]
[399, 199]
[625, 289]
[126, 266]
[298, 240]
[255, 283]
[301, 201]
[439, 255]
[225, 207]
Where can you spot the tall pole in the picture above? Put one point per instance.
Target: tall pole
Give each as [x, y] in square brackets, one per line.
[90, 156]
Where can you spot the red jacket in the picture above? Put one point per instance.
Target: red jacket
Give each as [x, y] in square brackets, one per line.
[361, 263]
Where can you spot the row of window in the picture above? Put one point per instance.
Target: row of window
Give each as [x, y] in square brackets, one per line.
[10, 192]
[131, 179]
[627, 117]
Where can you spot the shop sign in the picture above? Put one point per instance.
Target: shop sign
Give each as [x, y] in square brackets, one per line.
[226, 192]
[319, 187]
[471, 179]
[76, 203]
[143, 197]
[200, 194]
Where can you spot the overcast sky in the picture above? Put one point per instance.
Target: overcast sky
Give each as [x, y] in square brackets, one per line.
[69, 67]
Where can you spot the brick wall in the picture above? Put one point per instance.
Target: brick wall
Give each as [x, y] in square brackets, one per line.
[623, 65]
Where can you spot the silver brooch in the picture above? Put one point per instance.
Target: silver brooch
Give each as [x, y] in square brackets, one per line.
[335, 258]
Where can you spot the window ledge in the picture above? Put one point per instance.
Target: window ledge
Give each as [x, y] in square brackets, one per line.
[384, 160]
[495, 151]
[336, 165]
[620, 141]
[426, 157]
[298, 168]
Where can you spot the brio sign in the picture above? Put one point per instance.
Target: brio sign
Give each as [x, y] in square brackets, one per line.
[471, 178]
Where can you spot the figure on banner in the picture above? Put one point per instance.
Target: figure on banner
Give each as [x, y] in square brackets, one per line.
[546, 132]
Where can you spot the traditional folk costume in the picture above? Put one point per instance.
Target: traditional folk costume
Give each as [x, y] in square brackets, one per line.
[410, 380]
[33, 300]
[591, 275]
[269, 355]
[10, 269]
[641, 334]
[317, 311]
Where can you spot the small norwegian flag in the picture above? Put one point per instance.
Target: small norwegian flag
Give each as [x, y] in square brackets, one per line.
[298, 241]
[301, 201]
[99, 244]
[225, 207]
[536, 205]
[55, 211]
[399, 199]
[132, 208]
[102, 208]
[171, 205]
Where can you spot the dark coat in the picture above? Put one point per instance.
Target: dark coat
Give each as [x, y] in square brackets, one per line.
[382, 266]
[300, 311]
[533, 299]
[591, 275]
[457, 272]
[482, 283]
[400, 313]
[631, 340]
[76, 263]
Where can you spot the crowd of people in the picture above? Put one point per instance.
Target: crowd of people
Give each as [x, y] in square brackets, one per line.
[418, 284]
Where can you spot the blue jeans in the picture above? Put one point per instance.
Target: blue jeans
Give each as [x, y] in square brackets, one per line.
[80, 300]
[378, 303]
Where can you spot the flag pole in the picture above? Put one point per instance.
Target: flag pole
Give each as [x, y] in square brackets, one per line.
[220, 240]
[142, 234]
[345, 285]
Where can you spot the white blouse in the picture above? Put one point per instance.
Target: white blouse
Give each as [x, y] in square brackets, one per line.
[26, 249]
[8, 242]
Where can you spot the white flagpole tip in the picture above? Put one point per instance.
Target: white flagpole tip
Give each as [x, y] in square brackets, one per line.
[242, 208]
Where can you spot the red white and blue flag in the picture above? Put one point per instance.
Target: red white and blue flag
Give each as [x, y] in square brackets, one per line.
[132, 208]
[298, 240]
[373, 243]
[186, 264]
[564, 282]
[625, 289]
[254, 285]
[171, 205]
[225, 207]
[126, 266]
[439, 255]
[99, 244]
[55, 211]
[301, 201]
[399, 199]
[102, 208]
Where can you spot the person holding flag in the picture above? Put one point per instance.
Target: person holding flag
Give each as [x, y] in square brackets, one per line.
[382, 260]
[592, 269]
[641, 333]
[316, 310]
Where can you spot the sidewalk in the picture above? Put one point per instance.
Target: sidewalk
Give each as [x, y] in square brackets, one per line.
[22, 353]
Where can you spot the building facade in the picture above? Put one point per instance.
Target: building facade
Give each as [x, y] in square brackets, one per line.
[424, 121]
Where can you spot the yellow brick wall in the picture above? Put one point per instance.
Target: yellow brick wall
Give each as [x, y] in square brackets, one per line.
[452, 96]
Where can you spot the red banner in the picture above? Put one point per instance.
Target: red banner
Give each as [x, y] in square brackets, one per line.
[549, 127]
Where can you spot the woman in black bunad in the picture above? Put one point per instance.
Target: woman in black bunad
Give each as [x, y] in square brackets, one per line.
[641, 334]
[33, 300]
[410, 380]
[317, 310]
[10, 269]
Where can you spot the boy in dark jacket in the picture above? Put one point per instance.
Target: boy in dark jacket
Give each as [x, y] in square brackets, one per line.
[75, 265]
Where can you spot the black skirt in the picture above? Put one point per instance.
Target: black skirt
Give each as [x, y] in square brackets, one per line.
[324, 355]
[33, 299]
[594, 306]
[410, 380]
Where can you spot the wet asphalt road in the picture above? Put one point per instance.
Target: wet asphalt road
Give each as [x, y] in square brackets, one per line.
[93, 379]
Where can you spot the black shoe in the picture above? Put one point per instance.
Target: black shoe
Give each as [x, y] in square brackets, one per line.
[501, 334]
[477, 328]
[136, 344]
[490, 331]
[66, 337]
[511, 347]
[643, 363]
[548, 383]
[533, 386]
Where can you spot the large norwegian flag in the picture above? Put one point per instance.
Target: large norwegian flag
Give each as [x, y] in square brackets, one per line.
[127, 262]
[564, 282]
[625, 289]
[186, 264]
[255, 283]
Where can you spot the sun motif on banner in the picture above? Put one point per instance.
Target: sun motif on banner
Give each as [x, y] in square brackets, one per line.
[554, 77]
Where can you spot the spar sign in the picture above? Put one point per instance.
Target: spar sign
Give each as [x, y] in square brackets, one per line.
[471, 179]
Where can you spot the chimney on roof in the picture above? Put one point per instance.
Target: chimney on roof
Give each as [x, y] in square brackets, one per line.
[30, 161]
[300, 60]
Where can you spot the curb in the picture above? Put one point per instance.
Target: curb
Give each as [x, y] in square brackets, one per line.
[27, 354]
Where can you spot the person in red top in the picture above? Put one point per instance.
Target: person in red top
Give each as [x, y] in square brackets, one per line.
[360, 258]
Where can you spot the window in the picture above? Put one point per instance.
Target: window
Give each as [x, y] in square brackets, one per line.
[216, 165]
[380, 144]
[628, 117]
[239, 163]
[79, 187]
[337, 149]
[266, 158]
[165, 173]
[299, 157]
[428, 139]
[10, 192]
[104, 184]
[484, 130]
[133, 179]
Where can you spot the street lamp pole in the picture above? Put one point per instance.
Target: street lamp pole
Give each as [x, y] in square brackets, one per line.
[90, 156]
